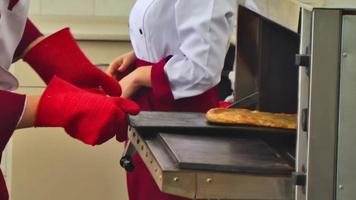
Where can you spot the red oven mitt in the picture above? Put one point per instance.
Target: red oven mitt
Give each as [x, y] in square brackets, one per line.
[89, 117]
[60, 55]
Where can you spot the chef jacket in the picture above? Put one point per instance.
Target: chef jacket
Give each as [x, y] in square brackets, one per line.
[13, 24]
[194, 33]
[13, 16]
[16, 33]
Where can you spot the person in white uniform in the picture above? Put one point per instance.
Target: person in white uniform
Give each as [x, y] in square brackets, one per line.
[179, 51]
[77, 96]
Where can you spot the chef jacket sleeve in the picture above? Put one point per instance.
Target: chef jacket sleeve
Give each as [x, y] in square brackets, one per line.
[30, 34]
[11, 110]
[204, 31]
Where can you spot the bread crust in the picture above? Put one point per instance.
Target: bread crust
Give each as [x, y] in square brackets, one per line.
[251, 117]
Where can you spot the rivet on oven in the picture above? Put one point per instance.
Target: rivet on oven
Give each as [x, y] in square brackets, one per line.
[138, 141]
[156, 170]
[151, 161]
[134, 133]
[209, 180]
[142, 147]
[176, 179]
[344, 54]
[146, 154]
[129, 128]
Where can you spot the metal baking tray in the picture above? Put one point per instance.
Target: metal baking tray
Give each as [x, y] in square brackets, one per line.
[189, 121]
[225, 154]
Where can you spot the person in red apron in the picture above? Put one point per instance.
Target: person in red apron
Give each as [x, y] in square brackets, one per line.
[179, 51]
[79, 97]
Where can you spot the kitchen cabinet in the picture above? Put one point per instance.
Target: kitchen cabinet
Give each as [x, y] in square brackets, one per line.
[46, 163]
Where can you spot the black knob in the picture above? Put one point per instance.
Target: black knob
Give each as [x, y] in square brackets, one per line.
[302, 60]
[127, 163]
[299, 179]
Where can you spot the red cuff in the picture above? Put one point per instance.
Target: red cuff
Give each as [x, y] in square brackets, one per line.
[30, 34]
[160, 83]
[11, 107]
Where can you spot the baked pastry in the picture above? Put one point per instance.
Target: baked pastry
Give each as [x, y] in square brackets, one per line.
[251, 117]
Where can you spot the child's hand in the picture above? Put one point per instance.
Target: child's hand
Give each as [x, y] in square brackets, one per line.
[140, 77]
[121, 66]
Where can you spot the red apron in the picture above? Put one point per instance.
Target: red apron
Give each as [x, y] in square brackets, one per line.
[141, 185]
[4, 195]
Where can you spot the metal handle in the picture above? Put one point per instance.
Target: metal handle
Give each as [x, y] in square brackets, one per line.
[126, 161]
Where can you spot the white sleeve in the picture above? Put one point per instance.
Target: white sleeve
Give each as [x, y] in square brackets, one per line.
[204, 30]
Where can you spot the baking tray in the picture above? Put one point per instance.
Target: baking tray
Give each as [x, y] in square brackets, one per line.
[225, 154]
[185, 122]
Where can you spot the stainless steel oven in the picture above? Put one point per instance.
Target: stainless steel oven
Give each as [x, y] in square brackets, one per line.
[309, 70]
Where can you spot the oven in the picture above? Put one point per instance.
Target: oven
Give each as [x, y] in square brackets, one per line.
[306, 68]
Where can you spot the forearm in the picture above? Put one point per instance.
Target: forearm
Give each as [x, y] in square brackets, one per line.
[29, 114]
[143, 77]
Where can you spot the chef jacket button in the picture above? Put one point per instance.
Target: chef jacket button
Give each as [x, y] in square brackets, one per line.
[141, 32]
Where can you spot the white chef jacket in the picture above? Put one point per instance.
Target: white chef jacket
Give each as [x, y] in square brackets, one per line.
[12, 25]
[196, 33]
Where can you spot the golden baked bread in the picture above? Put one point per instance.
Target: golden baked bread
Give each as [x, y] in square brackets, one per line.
[251, 117]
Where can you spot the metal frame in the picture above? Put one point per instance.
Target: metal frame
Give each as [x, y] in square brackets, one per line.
[323, 104]
[346, 182]
[303, 100]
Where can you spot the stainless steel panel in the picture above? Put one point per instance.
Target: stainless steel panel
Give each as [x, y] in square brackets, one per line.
[346, 180]
[303, 99]
[323, 104]
[242, 187]
[205, 184]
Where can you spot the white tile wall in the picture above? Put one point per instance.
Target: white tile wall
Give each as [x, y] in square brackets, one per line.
[113, 7]
[35, 7]
[67, 7]
[82, 7]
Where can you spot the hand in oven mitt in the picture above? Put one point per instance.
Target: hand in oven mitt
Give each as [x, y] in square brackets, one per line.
[60, 55]
[89, 117]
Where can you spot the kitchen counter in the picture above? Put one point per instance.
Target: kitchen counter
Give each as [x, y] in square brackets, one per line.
[86, 28]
